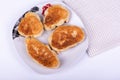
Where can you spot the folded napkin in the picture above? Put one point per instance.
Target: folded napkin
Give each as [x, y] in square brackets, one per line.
[102, 21]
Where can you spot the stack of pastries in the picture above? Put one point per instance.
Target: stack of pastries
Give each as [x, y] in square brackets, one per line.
[63, 36]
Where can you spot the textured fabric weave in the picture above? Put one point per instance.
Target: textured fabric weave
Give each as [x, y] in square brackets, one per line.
[102, 21]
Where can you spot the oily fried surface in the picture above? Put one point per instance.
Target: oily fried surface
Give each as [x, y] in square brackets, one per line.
[54, 14]
[40, 53]
[65, 36]
[30, 25]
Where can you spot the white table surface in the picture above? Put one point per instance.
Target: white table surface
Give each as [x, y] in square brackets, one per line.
[105, 66]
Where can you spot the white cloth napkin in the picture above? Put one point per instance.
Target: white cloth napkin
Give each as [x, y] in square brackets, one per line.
[102, 21]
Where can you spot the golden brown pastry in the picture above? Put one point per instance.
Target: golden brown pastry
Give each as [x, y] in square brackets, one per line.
[30, 25]
[55, 16]
[42, 53]
[65, 37]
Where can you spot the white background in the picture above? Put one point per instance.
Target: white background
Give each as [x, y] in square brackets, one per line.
[105, 66]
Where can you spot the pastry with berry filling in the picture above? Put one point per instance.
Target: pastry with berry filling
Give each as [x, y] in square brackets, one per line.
[54, 16]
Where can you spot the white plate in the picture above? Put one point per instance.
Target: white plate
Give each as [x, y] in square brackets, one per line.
[68, 58]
